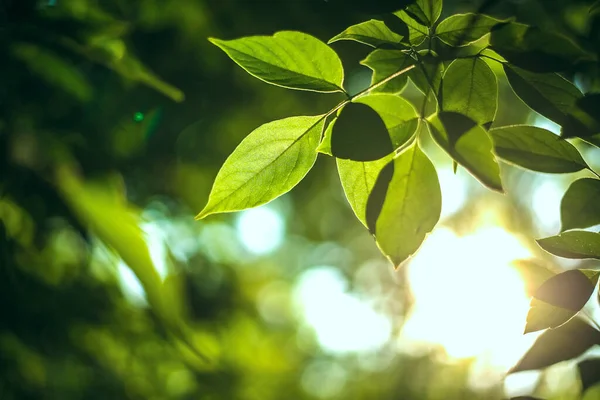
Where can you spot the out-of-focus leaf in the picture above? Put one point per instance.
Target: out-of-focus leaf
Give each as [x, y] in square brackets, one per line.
[54, 70]
[426, 12]
[468, 144]
[569, 290]
[404, 206]
[373, 33]
[117, 224]
[589, 373]
[573, 244]
[536, 149]
[130, 135]
[370, 6]
[290, 59]
[536, 50]
[398, 115]
[548, 94]
[416, 31]
[555, 345]
[385, 63]
[352, 143]
[269, 162]
[532, 273]
[580, 206]
[470, 88]
[462, 29]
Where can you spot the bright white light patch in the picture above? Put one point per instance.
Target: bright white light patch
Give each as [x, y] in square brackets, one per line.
[342, 322]
[454, 191]
[546, 206]
[467, 297]
[260, 230]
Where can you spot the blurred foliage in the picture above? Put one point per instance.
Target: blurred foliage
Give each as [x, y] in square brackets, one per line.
[114, 118]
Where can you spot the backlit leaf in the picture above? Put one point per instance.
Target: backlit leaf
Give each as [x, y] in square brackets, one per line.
[269, 162]
[416, 31]
[406, 206]
[360, 134]
[573, 244]
[385, 63]
[426, 12]
[543, 315]
[569, 290]
[289, 59]
[536, 149]
[548, 94]
[462, 29]
[580, 206]
[468, 144]
[470, 88]
[555, 345]
[427, 76]
[532, 274]
[373, 33]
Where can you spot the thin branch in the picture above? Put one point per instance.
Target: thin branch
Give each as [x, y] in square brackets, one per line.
[382, 82]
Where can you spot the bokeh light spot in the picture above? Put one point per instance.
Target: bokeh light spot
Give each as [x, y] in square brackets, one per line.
[260, 230]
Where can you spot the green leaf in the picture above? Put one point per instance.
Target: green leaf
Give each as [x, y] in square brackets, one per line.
[463, 29]
[583, 120]
[588, 374]
[548, 94]
[426, 11]
[536, 149]
[405, 205]
[398, 115]
[573, 244]
[569, 290]
[106, 213]
[360, 134]
[385, 63]
[535, 50]
[468, 144]
[469, 87]
[288, 59]
[542, 315]
[555, 345]
[269, 162]
[416, 31]
[54, 70]
[580, 206]
[532, 274]
[358, 179]
[427, 76]
[373, 33]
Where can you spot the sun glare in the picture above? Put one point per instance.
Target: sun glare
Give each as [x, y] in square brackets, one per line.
[467, 298]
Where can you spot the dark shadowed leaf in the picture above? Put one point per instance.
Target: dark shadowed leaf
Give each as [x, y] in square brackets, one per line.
[373, 33]
[360, 134]
[548, 94]
[470, 88]
[560, 344]
[570, 289]
[385, 63]
[468, 144]
[542, 315]
[410, 207]
[583, 121]
[398, 115]
[573, 244]
[580, 206]
[370, 6]
[426, 12]
[462, 29]
[589, 372]
[535, 50]
[416, 32]
[532, 274]
[536, 149]
[289, 59]
[427, 76]
[269, 162]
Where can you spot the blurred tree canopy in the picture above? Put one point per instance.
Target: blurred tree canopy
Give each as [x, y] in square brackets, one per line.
[115, 118]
